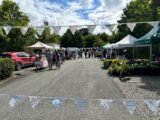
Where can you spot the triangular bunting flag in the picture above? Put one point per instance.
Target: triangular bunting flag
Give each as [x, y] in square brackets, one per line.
[130, 106]
[116, 30]
[57, 103]
[154, 24]
[40, 30]
[131, 26]
[51, 30]
[91, 28]
[111, 27]
[7, 29]
[153, 105]
[56, 29]
[34, 101]
[13, 100]
[106, 104]
[80, 104]
[24, 30]
[73, 29]
[36, 36]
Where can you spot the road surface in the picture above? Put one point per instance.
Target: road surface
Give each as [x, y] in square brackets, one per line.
[76, 79]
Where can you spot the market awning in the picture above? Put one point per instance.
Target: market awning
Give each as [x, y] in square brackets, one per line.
[39, 45]
[151, 37]
[128, 41]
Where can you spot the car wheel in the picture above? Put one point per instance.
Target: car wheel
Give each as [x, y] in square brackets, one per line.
[18, 66]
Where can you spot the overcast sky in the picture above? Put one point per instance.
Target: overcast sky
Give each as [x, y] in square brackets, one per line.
[72, 12]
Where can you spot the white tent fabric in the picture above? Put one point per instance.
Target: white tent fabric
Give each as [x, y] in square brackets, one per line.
[128, 41]
[39, 45]
[107, 46]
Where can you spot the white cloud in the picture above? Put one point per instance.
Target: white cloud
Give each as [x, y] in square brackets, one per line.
[38, 11]
[87, 3]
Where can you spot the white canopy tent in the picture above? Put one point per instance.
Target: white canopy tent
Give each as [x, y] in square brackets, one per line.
[128, 41]
[39, 45]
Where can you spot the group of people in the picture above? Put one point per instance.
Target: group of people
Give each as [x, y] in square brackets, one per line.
[49, 58]
[109, 54]
[89, 53]
[81, 53]
[112, 54]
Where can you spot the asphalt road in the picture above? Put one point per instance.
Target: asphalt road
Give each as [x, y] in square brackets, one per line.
[76, 79]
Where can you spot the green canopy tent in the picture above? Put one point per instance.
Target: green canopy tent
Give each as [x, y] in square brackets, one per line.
[153, 37]
[149, 38]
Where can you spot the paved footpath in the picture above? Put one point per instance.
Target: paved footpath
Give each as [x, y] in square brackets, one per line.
[76, 79]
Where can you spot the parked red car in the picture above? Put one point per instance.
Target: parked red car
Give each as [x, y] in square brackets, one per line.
[21, 59]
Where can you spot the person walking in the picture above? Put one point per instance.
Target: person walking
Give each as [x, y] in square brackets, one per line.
[85, 53]
[57, 58]
[89, 53]
[49, 56]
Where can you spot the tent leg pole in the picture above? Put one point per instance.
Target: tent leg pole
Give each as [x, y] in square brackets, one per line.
[151, 53]
[133, 53]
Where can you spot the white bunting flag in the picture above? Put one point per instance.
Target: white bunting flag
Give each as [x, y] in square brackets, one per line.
[36, 36]
[106, 104]
[130, 106]
[40, 30]
[91, 28]
[80, 104]
[24, 30]
[112, 27]
[154, 24]
[56, 29]
[131, 26]
[153, 105]
[57, 103]
[34, 101]
[116, 30]
[13, 100]
[51, 30]
[73, 29]
[7, 29]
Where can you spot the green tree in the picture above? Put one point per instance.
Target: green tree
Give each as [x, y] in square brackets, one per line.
[103, 36]
[89, 40]
[98, 42]
[67, 39]
[55, 38]
[78, 40]
[45, 37]
[135, 11]
[10, 14]
[155, 6]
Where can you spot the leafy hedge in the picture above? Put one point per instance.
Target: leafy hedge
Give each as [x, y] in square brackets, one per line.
[6, 67]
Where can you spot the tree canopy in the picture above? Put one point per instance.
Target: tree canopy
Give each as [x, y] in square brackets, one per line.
[10, 15]
[137, 11]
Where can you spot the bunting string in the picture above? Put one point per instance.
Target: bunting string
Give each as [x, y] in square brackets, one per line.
[69, 98]
[107, 24]
[81, 103]
[73, 28]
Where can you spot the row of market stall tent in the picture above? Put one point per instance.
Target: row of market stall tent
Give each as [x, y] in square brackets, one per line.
[152, 37]
[128, 41]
